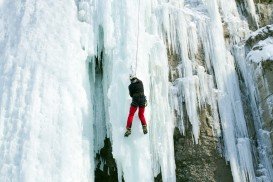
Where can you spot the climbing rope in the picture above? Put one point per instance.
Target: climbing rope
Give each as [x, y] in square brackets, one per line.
[134, 72]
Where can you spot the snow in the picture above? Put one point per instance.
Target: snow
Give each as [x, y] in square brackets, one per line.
[64, 76]
[262, 51]
[262, 31]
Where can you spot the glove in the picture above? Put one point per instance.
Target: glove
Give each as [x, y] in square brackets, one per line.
[146, 102]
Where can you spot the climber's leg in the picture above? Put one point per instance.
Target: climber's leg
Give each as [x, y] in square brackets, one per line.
[142, 119]
[141, 115]
[131, 116]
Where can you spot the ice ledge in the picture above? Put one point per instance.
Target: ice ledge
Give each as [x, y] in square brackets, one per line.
[262, 51]
[260, 34]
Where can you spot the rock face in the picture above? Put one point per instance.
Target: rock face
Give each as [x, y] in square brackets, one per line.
[265, 10]
[106, 166]
[258, 36]
[261, 61]
[265, 83]
[202, 161]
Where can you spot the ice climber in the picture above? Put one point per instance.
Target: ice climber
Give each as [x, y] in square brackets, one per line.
[136, 91]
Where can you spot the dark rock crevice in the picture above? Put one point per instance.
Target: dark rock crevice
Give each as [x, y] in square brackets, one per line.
[106, 168]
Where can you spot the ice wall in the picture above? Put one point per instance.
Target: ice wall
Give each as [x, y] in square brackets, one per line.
[45, 118]
[139, 157]
[64, 71]
[183, 27]
[261, 52]
[188, 26]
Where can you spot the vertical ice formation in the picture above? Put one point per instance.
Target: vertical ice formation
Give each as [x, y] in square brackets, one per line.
[50, 105]
[250, 7]
[139, 157]
[230, 104]
[45, 119]
[239, 32]
[161, 122]
[99, 118]
[186, 28]
[263, 141]
[249, 72]
[195, 87]
[92, 41]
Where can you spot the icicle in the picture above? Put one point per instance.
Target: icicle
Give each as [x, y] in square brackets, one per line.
[250, 7]
[187, 89]
[106, 30]
[245, 157]
[230, 105]
[264, 149]
[193, 43]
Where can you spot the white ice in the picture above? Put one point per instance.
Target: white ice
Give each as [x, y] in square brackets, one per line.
[45, 118]
[262, 51]
[58, 104]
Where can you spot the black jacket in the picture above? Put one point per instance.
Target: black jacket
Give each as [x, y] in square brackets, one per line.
[136, 91]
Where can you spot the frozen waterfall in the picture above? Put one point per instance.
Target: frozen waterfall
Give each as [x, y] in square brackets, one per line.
[46, 123]
[64, 69]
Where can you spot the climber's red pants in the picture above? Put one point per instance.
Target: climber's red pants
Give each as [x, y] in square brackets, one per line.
[140, 115]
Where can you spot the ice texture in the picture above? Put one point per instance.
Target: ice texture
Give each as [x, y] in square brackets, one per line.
[262, 51]
[45, 118]
[64, 76]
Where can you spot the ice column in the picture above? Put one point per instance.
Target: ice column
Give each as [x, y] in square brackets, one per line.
[230, 104]
[139, 157]
[46, 123]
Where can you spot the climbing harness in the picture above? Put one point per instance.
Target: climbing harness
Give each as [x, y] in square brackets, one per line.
[134, 71]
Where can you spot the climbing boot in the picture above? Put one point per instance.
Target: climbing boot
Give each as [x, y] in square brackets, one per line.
[128, 132]
[144, 127]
